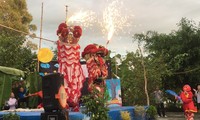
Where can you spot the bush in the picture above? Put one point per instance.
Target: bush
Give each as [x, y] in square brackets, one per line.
[95, 105]
[11, 116]
[151, 112]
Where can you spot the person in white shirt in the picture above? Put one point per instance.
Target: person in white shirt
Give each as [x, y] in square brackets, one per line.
[12, 102]
[197, 94]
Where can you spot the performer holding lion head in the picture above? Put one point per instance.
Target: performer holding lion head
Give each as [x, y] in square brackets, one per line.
[69, 62]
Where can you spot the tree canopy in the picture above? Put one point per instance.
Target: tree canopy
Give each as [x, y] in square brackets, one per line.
[13, 51]
[179, 50]
[171, 60]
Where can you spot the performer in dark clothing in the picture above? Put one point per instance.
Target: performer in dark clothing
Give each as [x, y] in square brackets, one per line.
[23, 98]
[159, 102]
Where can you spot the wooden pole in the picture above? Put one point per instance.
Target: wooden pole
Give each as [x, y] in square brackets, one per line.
[41, 22]
[66, 12]
[40, 41]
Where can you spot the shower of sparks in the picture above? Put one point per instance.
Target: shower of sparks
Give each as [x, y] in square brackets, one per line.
[83, 18]
[114, 20]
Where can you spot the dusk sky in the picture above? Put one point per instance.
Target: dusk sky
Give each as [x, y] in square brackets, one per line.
[143, 15]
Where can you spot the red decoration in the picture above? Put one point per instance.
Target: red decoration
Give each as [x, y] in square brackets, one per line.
[97, 68]
[77, 31]
[64, 32]
[60, 27]
[69, 65]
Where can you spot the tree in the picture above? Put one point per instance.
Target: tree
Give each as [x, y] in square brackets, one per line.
[180, 52]
[145, 76]
[13, 52]
[131, 73]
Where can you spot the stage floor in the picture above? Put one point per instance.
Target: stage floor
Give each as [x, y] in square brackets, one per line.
[114, 114]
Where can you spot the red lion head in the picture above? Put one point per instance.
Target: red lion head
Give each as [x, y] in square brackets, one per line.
[95, 49]
[69, 34]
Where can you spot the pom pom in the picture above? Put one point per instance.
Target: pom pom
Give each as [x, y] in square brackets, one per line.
[64, 32]
[77, 31]
[61, 27]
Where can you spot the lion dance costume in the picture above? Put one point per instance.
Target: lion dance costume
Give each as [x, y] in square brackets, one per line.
[188, 104]
[69, 62]
[97, 69]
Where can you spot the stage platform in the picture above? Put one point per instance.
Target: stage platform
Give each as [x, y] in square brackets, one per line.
[114, 114]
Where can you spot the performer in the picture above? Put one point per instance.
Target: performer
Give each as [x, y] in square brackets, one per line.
[188, 104]
[69, 64]
[97, 68]
[158, 95]
[40, 94]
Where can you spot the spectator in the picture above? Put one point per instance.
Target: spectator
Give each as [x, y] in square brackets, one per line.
[12, 102]
[23, 98]
[159, 102]
[197, 94]
[15, 89]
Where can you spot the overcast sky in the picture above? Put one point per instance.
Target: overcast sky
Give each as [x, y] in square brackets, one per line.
[158, 15]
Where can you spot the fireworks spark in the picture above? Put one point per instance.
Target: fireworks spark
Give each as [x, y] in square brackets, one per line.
[84, 18]
[114, 20]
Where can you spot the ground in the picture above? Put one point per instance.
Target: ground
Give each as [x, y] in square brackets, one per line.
[178, 116]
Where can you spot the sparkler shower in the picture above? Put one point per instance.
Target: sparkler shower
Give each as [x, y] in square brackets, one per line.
[84, 18]
[113, 19]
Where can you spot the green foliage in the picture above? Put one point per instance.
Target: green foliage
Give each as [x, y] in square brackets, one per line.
[5, 87]
[179, 51]
[13, 52]
[34, 84]
[11, 116]
[151, 112]
[95, 105]
[132, 80]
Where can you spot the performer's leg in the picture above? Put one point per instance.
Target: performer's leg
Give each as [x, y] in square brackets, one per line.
[158, 109]
[27, 102]
[19, 102]
[162, 109]
[198, 106]
[74, 100]
[189, 116]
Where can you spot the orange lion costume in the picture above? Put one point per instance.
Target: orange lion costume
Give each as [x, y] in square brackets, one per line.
[188, 104]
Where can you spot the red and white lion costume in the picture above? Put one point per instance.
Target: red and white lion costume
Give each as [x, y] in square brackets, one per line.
[69, 62]
[97, 68]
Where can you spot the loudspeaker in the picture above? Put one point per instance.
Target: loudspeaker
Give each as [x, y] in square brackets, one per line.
[50, 87]
[54, 116]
